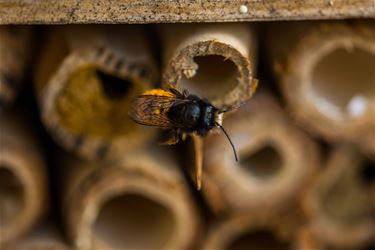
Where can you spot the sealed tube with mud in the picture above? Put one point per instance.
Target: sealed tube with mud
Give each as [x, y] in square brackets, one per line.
[85, 82]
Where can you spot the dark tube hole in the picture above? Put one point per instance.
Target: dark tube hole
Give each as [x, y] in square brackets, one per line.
[214, 78]
[133, 221]
[264, 163]
[113, 87]
[368, 173]
[258, 240]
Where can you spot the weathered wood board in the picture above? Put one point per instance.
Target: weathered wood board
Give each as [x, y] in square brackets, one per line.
[147, 11]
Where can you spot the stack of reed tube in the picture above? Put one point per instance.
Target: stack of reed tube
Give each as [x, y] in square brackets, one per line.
[119, 190]
[23, 178]
[325, 71]
[128, 197]
[326, 74]
[137, 202]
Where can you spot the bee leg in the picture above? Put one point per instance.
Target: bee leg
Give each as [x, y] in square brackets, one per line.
[198, 149]
[174, 138]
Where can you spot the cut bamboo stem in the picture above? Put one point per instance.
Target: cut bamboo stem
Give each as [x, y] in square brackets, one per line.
[326, 74]
[14, 53]
[140, 202]
[276, 161]
[215, 61]
[341, 203]
[43, 237]
[23, 184]
[86, 80]
[246, 231]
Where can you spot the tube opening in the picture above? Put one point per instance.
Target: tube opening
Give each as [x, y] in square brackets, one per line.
[214, 78]
[367, 172]
[344, 81]
[11, 196]
[261, 239]
[113, 87]
[264, 163]
[133, 221]
[96, 103]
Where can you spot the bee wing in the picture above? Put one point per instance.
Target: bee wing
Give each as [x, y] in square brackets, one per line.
[151, 110]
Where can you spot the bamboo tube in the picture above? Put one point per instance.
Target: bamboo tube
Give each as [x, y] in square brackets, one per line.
[23, 184]
[326, 74]
[86, 80]
[276, 161]
[246, 231]
[43, 237]
[139, 202]
[341, 203]
[14, 54]
[215, 61]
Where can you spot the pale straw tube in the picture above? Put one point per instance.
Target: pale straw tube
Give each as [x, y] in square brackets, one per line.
[326, 74]
[139, 202]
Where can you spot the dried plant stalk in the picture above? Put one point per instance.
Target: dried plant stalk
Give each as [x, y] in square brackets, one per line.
[326, 74]
[86, 80]
[14, 53]
[139, 202]
[23, 184]
[277, 161]
[215, 61]
[43, 237]
[246, 231]
[341, 203]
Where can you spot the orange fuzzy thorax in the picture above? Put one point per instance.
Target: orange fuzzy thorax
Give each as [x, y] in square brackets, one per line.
[158, 92]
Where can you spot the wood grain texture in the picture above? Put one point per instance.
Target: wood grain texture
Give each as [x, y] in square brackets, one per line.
[144, 11]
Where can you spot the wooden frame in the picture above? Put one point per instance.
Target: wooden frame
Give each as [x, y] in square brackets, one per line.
[146, 11]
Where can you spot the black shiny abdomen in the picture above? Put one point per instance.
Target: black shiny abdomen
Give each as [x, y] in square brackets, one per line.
[193, 115]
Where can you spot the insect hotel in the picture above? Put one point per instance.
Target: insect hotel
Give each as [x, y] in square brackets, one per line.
[187, 125]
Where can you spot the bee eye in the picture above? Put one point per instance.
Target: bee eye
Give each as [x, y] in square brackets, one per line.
[192, 114]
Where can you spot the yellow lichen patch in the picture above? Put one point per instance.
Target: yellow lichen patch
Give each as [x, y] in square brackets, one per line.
[158, 92]
[85, 109]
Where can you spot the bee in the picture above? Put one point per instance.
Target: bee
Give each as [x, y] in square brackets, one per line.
[182, 113]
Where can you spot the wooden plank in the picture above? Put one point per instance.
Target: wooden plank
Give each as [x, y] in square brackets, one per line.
[147, 11]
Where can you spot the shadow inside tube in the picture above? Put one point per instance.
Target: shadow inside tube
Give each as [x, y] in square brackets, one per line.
[132, 221]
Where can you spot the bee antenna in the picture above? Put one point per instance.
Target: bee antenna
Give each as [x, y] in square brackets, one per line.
[230, 109]
[230, 141]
